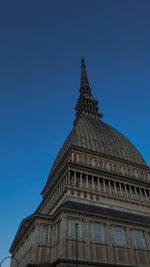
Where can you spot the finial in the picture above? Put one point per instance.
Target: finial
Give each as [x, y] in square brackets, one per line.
[82, 62]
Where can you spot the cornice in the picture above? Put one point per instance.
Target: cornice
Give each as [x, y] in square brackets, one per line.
[104, 217]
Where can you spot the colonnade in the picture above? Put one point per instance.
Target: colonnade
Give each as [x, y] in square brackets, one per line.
[98, 185]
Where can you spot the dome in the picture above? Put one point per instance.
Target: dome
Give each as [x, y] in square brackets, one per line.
[96, 136]
[92, 134]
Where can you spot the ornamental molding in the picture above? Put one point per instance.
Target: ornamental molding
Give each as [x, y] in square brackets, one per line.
[103, 218]
[123, 169]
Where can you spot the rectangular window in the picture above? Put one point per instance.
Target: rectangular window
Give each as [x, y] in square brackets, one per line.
[118, 236]
[138, 239]
[45, 234]
[97, 232]
[71, 229]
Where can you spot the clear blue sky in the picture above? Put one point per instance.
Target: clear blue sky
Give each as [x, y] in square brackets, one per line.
[41, 44]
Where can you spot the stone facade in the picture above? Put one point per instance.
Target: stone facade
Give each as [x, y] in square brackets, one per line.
[106, 195]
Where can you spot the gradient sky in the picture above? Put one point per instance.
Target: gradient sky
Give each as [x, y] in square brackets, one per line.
[41, 44]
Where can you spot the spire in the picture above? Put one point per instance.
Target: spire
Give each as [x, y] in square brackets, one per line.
[85, 88]
[86, 103]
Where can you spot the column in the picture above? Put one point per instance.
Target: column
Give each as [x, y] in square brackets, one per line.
[66, 180]
[87, 183]
[61, 186]
[93, 245]
[75, 179]
[136, 193]
[131, 191]
[109, 184]
[93, 183]
[141, 194]
[54, 197]
[145, 195]
[68, 177]
[80, 179]
[98, 183]
[59, 189]
[109, 242]
[104, 185]
[57, 192]
[131, 251]
[126, 190]
[115, 188]
[120, 189]
[87, 241]
[34, 245]
[62, 247]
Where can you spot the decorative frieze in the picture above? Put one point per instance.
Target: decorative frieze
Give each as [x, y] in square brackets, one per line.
[110, 166]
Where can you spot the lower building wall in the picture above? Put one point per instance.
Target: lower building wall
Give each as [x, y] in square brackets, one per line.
[98, 254]
[93, 248]
[105, 253]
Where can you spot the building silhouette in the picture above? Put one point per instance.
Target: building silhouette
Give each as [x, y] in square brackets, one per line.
[98, 189]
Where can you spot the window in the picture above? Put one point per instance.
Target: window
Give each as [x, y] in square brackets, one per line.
[115, 168]
[128, 172]
[118, 236]
[138, 239]
[142, 175]
[97, 232]
[100, 164]
[85, 161]
[71, 229]
[45, 234]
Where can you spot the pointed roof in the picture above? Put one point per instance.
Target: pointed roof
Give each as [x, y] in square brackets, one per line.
[86, 103]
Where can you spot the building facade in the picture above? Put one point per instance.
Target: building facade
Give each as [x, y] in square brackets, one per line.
[97, 193]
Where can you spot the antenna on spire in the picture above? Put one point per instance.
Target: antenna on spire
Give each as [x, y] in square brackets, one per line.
[86, 103]
[85, 88]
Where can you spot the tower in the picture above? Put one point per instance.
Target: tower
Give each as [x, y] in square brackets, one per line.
[98, 185]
